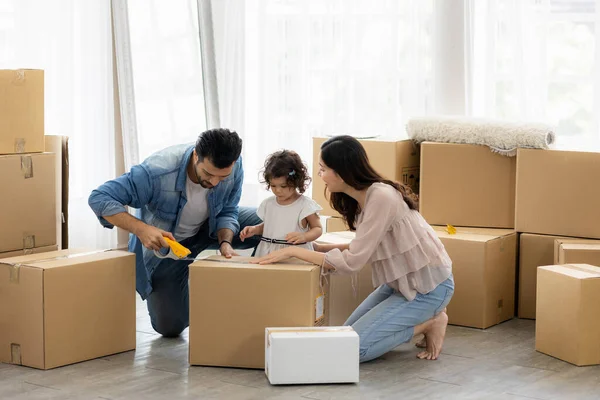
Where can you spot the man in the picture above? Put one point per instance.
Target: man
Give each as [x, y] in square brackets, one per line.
[186, 193]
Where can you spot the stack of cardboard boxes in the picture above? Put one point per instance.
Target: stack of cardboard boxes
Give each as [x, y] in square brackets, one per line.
[56, 307]
[472, 189]
[556, 209]
[28, 203]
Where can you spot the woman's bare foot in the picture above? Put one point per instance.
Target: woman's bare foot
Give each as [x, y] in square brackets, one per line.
[435, 334]
[422, 344]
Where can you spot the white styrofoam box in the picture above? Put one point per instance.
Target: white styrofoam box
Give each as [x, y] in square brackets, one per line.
[311, 355]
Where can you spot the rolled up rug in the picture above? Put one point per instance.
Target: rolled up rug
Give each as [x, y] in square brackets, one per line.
[502, 137]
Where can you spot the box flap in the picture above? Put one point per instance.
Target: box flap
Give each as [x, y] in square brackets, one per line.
[581, 246]
[577, 271]
[244, 263]
[62, 258]
[342, 237]
[473, 234]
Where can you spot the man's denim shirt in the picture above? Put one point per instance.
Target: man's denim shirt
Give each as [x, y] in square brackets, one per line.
[156, 188]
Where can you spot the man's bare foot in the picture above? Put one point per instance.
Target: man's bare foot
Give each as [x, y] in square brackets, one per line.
[435, 337]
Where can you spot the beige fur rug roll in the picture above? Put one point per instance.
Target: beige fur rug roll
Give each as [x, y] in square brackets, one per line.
[502, 137]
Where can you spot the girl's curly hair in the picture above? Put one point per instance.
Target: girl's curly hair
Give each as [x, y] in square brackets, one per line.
[288, 164]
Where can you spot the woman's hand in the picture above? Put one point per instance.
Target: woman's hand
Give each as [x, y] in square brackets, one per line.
[295, 238]
[276, 256]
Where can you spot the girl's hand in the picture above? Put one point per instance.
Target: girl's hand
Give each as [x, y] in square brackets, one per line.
[276, 256]
[318, 247]
[295, 238]
[247, 232]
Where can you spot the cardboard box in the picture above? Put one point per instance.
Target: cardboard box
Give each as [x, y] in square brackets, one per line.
[567, 325]
[27, 203]
[467, 185]
[66, 306]
[394, 159]
[484, 266]
[25, 252]
[560, 241]
[579, 253]
[534, 250]
[342, 298]
[557, 193]
[335, 224]
[228, 330]
[21, 111]
[311, 355]
[59, 145]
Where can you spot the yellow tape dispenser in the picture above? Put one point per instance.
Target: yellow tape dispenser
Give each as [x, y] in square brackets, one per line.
[176, 251]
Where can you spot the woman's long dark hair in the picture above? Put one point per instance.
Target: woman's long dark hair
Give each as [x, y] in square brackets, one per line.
[348, 158]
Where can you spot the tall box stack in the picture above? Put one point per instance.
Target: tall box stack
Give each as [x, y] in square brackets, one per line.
[394, 159]
[556, 202]
[473, 189]
[28, 201]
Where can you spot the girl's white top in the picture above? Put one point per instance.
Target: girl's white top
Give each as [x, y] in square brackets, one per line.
[279, 220]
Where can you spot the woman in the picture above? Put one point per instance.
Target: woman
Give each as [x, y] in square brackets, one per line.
[409, 263]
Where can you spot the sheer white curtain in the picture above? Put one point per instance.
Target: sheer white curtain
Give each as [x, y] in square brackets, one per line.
[302, 68]
[160, 74]
[537, 60]
[71, 41]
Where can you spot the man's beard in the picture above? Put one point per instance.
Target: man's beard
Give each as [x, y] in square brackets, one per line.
[206, 185]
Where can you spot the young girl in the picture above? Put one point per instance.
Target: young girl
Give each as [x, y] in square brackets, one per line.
[289, 218]
[410, 264]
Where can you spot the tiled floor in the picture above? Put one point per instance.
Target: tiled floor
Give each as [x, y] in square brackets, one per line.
[499, 363]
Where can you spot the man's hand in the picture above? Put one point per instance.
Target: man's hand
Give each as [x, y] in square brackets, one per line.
[247, 232]
[227, 250]
[295, 238]
[152, 237]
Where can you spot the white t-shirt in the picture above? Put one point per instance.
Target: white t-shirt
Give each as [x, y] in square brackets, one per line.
[195, 211]
[279, 220]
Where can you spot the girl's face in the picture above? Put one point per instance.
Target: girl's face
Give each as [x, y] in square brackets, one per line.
[332, 180]
[281, 189]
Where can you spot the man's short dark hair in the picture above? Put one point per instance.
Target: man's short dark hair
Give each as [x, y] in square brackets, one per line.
[221, 146]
